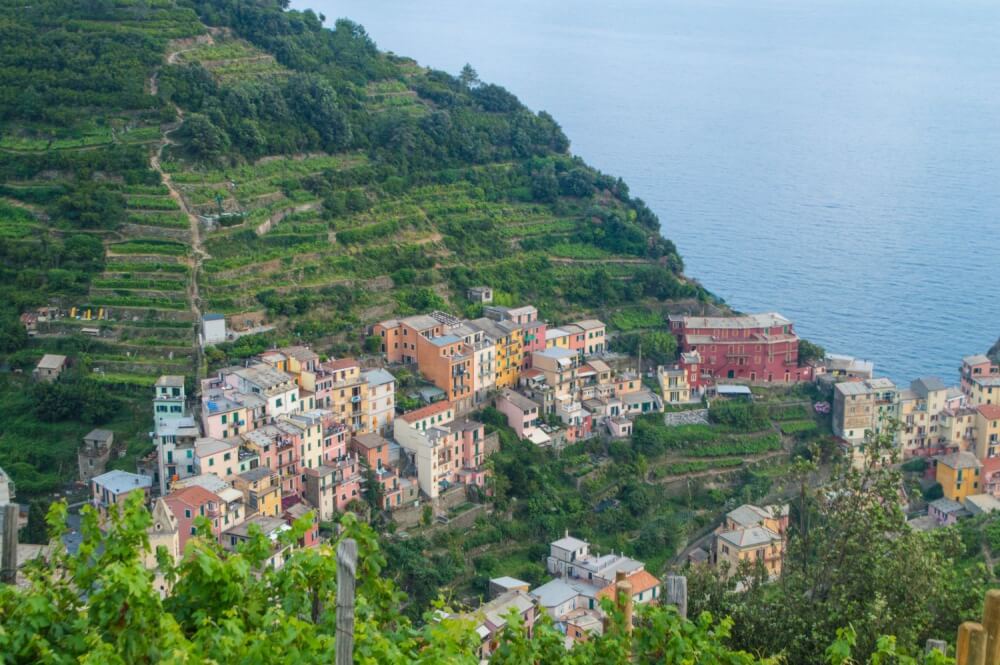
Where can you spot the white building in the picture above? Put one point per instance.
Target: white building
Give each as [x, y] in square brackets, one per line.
[213, 329]
[381, 399]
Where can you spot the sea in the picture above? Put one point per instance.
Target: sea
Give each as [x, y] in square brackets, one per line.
[837, 161]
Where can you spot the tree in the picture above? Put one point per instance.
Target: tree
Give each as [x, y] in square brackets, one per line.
[203, 138]
[852, 560]
[36, 531]
[13, 336]
[373, 492]
[468, 76]
[809, 351]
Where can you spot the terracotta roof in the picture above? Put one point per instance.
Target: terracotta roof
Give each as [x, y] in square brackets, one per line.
[343, 363]
[641, 581]
[193, 496]
[424, 412]
[990, 411]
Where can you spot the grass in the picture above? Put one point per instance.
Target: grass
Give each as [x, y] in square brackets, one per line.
[798, 426]
[147, 246]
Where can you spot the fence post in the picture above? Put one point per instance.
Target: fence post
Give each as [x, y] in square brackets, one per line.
[8, 562]
[677, 593]
[623, 596]
[991, 622]
[971, 646]
[347, 570]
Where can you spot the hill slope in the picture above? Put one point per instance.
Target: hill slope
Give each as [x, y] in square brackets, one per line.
[162, 159]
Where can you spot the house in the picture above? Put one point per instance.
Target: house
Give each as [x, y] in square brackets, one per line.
[987, 430]
[560, 597]
[163, 532]
[381, 399]
[751, 533]
[645, 588]
[985, 390]
[93, 455]
[271, 528]
[640, 402]
[863, 407]
[523, 415]
[297, 510]
[114, 487]
[974, 368]
[213, 329]
[228, 413]
[501, 585]
[480, 294]
[619, 427]
[261, 490]
[674, 385]
[946, 511]
[533, 340]
[446, 451]
[508, 341]
[217, 456]
[491, 618]
[49, 367]
[958, 474]
[373, 450]
[190, 503]
[757, 348]
[399, 336]
[594, 336]
[559, 367]
[842, 366]
[278, 389]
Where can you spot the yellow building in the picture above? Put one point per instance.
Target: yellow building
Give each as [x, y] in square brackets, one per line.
[509, 340]
[958, 474]
[987, 429]
[673, 384]
[261, 491]
[753, 534]
[985, 390]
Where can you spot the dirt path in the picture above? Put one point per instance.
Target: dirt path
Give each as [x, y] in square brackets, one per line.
[198, 254]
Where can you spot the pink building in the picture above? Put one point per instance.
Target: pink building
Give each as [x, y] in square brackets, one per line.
[190, 503]
[757, 348]
[534, 340]
[216, 456]
[976, 367]
[522, 413]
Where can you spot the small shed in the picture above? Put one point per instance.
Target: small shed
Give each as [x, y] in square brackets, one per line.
[480, 294]
[93, 455]
[49, 367]
[727, 391]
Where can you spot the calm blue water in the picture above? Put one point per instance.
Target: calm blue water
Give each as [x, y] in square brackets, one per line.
[836, 161]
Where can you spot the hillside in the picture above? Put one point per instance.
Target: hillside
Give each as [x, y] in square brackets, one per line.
[163, 159]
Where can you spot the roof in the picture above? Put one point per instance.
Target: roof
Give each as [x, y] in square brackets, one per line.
[100, 435]
[209, 446]
[213, 317]
[208, 481]
[554, 333]
[751, 537]
[849, 388]
[986, 380]
[556, 352]
[570, 544]
[946, 506]
[978, 359]
[698, 555]
[639, 397]
[989, 411]
[263, 375]
[170, 381]
[421, 322]
[981, 503]
[518, 400]
[961, 460]
[195, 495]
[733, 390]
[508, 582]
[444, 340]
[555, 592]
[765, 320]
[300, 353]
[599, 365]
[118, 482]
[590, 324]
[339, 364]
[378, 377]
[229, 495]
[749, 515]
[256, 474]
[641, 581]
[927, 384]
[370, 440]
[267, 524]
[51, 361]
[537, 436]
[496, 610]
[425, 412]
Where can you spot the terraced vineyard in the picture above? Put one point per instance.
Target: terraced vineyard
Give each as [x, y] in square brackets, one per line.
[242, 159]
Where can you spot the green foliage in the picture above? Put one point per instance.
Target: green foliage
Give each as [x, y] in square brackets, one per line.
[933, 493]
[809, 351]
[740, 415]
[799, 427]
[658, 347]
[915, 465]
[851, 561]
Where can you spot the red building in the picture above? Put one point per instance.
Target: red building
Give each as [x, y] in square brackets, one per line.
[760, 348]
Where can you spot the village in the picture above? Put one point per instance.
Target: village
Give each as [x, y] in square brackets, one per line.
[291, 435]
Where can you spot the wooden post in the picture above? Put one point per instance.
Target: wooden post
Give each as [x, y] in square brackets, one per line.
[347, 570]
[8, 547]
[991, 622]
[971, 647]
[677, 593]
[623, 596]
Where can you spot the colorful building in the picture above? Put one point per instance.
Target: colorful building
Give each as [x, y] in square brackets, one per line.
[756, 348]
[958, 474]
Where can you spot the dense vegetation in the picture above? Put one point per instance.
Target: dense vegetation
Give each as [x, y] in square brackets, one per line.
[100, 606]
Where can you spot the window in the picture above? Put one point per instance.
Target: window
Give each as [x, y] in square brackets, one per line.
[187, 513]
